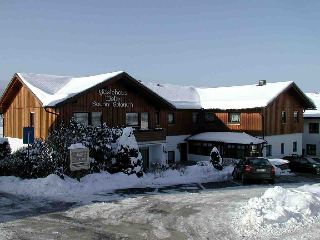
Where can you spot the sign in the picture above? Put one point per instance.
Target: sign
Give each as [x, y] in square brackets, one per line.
[112, 98]
[28, 135]
[79, 159]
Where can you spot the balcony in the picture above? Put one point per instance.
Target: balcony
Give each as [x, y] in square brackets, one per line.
[150, 135]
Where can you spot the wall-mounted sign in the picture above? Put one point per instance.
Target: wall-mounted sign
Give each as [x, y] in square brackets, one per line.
[112, 98]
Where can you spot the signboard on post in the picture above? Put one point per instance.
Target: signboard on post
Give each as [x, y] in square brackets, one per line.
[28, 135]
[79, 159]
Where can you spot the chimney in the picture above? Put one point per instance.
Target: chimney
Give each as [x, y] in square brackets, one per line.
[262, 82]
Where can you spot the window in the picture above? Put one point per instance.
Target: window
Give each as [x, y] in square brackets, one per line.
[170, 118]
[132, 119]
[144, 120]
[195, 117]
[282, 148]
[234, 117]
[157, 117]
[96, 118]
[269, 150]
[209, 117]
[313, 127]
[296, 116]
[82, 118]
[32, 119]
[241, 151]
[200, 148]
[171, 157]
[283, 117]
[311, 149]
[294, 146]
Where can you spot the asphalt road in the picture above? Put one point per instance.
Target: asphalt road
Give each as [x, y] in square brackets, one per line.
[25, 218]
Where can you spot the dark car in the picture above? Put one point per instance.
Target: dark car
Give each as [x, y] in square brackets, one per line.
[306, 164]
[254, 169]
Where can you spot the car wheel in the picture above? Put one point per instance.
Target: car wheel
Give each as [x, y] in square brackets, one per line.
[243, 179]
[317, 170]
[271, 181]
[234, 175]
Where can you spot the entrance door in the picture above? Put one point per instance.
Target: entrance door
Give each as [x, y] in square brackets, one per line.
[145, 157]
[183, 152]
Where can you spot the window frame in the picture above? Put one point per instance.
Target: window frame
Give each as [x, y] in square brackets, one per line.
[173, 155]
[206, 119]
[296, 117]
[157, 117]
[313, 151]
[93, 113]
[195, 117]
[141, 120]
[32, 119]
[88, 119]
[294, 146]
[283, 117]
[235, 123]
[314, 132]
[269, 150]
[173, 119]
[133, 125]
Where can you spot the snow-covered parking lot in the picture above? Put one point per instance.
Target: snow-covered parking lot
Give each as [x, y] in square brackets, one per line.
[209, 205]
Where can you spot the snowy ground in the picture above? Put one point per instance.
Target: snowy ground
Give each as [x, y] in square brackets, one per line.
[284, 212]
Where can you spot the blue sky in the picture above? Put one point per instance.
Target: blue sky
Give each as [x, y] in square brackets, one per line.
[200, 43]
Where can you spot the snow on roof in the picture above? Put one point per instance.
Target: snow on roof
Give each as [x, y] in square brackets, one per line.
[315, 97]
[182, 97]
[235, 97]
[241, 97]
[227, 137]
[52, 89]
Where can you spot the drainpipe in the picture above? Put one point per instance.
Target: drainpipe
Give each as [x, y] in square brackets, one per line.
[57, 114]
[263, 128]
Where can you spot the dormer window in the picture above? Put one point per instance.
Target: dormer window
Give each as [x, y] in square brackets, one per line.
[234, 118]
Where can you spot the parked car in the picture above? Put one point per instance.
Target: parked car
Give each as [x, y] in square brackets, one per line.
[254, 168]
[299, 163]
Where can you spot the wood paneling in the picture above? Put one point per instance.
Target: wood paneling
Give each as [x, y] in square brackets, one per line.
[17, 114]
[289, 103]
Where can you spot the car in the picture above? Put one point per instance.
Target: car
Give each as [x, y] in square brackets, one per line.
[306, 164]
[254, 168]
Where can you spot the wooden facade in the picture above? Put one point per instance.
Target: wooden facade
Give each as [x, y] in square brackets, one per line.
[18, 102]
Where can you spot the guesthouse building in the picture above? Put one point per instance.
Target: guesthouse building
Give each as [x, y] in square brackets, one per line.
[172, 123]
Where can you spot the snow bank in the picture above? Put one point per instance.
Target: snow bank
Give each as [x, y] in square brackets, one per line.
[71, 190]
[279, 210]
[15, 143]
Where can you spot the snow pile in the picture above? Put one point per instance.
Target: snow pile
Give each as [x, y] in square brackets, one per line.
[279, 210]
[71, 190]
[15, 143]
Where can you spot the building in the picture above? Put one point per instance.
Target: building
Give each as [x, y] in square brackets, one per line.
[172, 123]
[311, 136]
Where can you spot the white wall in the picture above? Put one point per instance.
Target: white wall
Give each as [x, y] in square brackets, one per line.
[156, 153]
[172, 142]
[288, 140]
[310, 138]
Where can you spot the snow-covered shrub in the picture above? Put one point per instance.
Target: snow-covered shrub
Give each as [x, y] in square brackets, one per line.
[215, 158]
[39, 163]
[128, 157]
[5, 149]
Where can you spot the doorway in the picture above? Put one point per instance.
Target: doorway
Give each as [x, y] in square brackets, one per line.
[183, 152]
[145, 157]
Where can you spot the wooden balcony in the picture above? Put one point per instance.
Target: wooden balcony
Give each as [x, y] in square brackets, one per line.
[150, 135]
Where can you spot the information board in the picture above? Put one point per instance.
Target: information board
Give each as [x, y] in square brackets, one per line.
[79, 159]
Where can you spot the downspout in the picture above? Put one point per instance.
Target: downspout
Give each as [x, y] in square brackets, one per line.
[263, 128]
[56, 114]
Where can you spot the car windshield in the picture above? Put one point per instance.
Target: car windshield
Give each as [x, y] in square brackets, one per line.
[260, 161]
[314, 160]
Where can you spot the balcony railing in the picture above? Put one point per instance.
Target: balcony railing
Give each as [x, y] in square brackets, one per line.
[150, 135]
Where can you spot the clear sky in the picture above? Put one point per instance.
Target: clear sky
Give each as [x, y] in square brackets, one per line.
[201, 43]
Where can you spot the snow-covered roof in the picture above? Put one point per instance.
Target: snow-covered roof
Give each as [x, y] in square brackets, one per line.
[315, 97]
[182, 97]
[227, 137]
[51, 89]
[235, 97]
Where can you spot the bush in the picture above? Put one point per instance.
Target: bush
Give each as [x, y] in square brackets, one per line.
[5, 149]
[52, 156]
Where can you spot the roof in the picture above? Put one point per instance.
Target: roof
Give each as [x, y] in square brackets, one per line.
[227, 137]
[315, 97]
[234, 97]
[51, 89]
